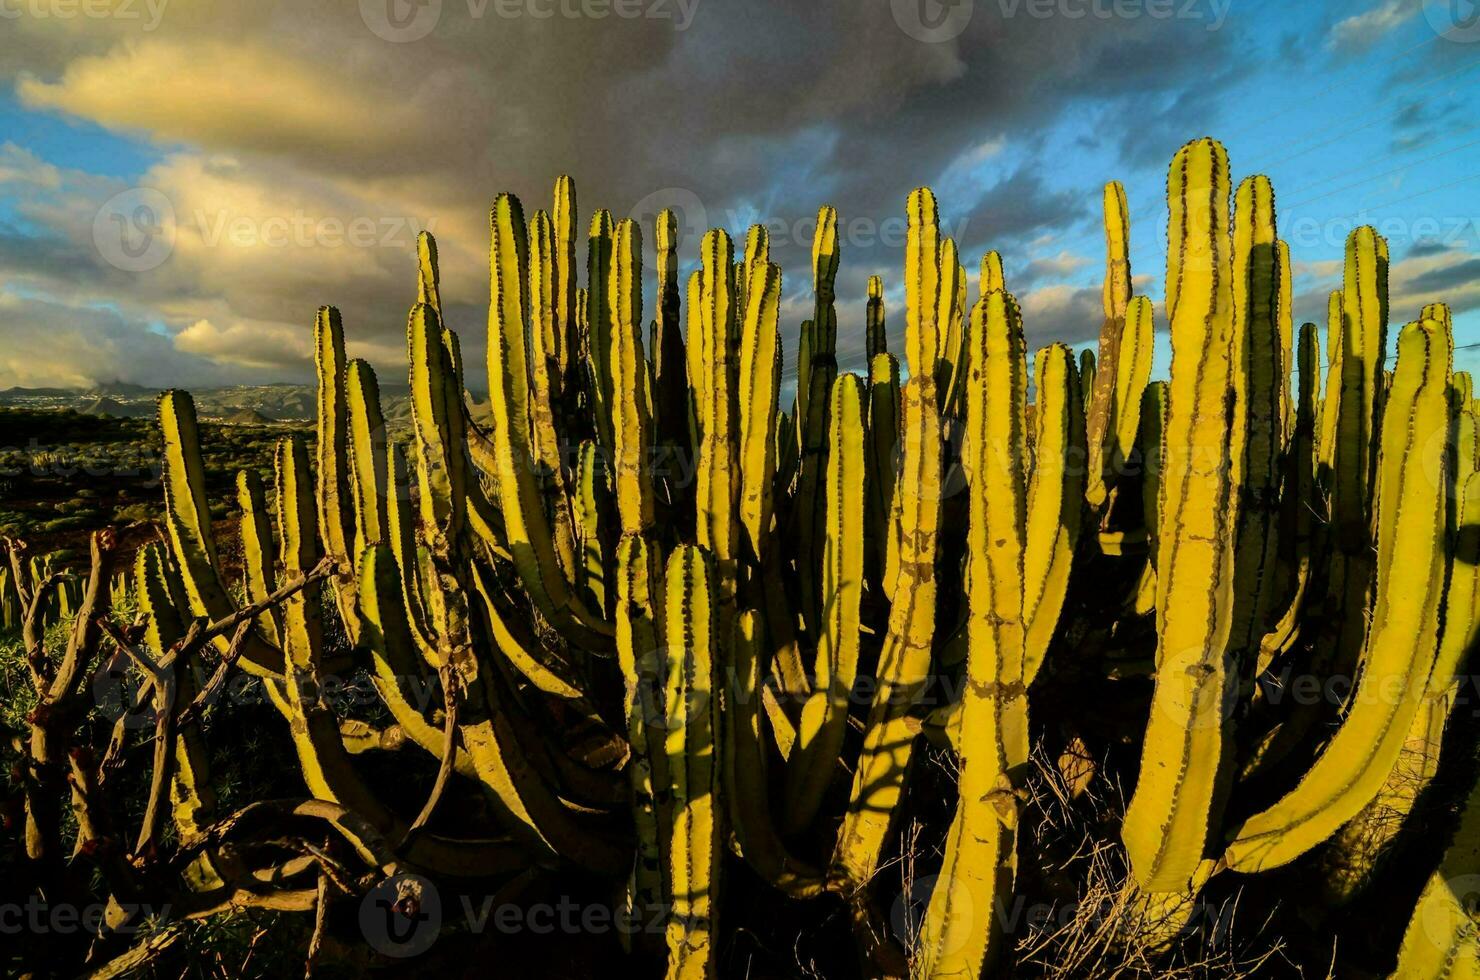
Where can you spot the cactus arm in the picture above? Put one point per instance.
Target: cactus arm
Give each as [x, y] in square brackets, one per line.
[1054, 502]
[437, 417]
[547, 380]
[991, 279]
[670, 368]
[922, 285]
[188, 523]
[1257, 374]
[399, 674]
[760, 380]
[883, 441]
[599, 319]
[1442, 941]
[638, 653]
[743, 755]
[1167, 823]
[193, 801]
[259, 556]
[1287, 351]
[428, 274]
[993, 716]
[367, 455]
[876, 332]
[592, 491]
[543, 673]
[332, 447]
[1354, 446]
[809, 504]
[1087, 375]
[691, 715]
[1402, 641]
[1296, 525]
[1100, 418]
[563, 281]
[718, 485]
[825, 714]
[949, 337]
[905, 659]
[630, 410]
[527, 531]
[1133, 372]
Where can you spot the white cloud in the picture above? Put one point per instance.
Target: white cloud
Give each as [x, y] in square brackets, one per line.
[1360, 32]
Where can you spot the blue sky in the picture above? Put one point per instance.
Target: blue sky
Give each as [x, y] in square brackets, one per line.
[179, 192]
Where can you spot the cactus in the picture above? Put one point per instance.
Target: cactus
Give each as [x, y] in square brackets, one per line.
[597, 666]
[1167, 823]
[690, 701]
[1402, 641]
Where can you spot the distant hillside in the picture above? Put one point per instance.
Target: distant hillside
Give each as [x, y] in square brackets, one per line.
[246, 416]
[234, 404]
[117, 409]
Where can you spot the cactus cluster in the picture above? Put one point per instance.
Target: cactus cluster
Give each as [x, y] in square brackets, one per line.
[673, 682]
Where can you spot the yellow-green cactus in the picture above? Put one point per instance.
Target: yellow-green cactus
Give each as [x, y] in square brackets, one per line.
[1167, 823]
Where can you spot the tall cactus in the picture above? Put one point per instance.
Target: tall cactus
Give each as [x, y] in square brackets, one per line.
[1402, 640]
[1167, 823]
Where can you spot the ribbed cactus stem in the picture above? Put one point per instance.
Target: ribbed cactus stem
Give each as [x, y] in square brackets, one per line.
[958, 923]
[1402, 641]
[825, 714]
[718, 484]
[905, 659]
[1100, 419]
[631, 415]
[188, 524]
[526, 529]
[760, 384]
[1257, 440]
[691, 702]
[876, 334]
[1167, 824]
[368, 466]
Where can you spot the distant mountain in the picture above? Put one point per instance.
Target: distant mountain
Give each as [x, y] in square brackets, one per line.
[240, 404]
[117, 409]
[122, 389]
[8, 394]
[247, 416]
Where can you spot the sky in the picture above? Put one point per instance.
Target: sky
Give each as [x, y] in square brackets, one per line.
[183, 183]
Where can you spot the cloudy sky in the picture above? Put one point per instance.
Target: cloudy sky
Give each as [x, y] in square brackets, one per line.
[183, 182]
